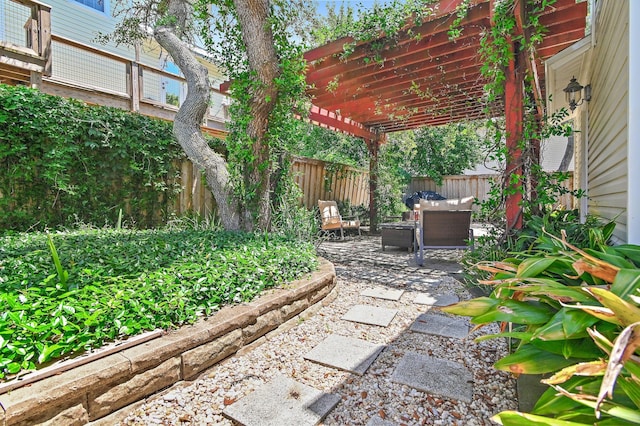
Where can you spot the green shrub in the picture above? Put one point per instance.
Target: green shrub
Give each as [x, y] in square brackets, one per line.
[575, 315]
[62, 161]
[497, 245]
[72, 292]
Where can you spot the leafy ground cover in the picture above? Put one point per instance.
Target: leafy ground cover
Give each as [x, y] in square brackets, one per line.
[70, 292]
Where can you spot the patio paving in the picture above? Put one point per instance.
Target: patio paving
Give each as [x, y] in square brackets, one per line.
[436, 299]
[440, 325]
[345, 353]
[433, 375]
[383, 293]
[282, 402]
[371, 315]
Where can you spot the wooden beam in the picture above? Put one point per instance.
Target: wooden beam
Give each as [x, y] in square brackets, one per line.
[44, 19]
[427, 82]
[453, 98]
[374, 149]
[386, 78]
[513, 105]
[430, 47]
[334, 121]
[330, 56]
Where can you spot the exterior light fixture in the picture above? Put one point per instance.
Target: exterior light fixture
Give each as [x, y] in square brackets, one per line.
[573, 91]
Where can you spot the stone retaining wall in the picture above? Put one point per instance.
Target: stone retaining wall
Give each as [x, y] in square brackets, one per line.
[97, 389]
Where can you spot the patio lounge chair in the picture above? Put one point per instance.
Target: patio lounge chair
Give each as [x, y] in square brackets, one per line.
[332, 220]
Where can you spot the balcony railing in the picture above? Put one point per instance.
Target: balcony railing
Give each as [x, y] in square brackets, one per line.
[64, 67]
[25, 42]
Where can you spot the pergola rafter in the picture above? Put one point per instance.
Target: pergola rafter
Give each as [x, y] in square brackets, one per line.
[421, 77]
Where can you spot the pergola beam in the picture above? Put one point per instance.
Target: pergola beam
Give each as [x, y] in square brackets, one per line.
[333, 121]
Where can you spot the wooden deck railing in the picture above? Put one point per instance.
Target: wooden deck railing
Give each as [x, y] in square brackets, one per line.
[30, 54]
[25, 49]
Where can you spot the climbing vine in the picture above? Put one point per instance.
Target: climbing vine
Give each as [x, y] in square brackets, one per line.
[498, 47]
[223, 39]
[64, 162]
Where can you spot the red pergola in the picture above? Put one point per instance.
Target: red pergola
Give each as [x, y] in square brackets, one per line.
[423, 78]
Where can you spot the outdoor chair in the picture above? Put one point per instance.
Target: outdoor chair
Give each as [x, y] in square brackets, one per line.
[446, 223]
[446, 228]
[332, 221]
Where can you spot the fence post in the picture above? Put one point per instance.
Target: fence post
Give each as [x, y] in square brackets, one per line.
[44, 40]
[133, 83]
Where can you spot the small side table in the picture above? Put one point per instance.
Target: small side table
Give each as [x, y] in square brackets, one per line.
[399, 234]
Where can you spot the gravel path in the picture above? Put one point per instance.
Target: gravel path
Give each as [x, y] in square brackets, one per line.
[360, 265]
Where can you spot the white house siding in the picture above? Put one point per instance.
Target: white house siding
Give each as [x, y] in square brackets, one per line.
[633, 210]
[608, 117]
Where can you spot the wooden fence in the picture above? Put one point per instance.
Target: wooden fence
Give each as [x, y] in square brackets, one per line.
[195, 196]
[323, 181]
[476, 185]
[316, 179]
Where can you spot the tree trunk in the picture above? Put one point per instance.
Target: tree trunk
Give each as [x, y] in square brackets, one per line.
[186, 125]
[253, 17]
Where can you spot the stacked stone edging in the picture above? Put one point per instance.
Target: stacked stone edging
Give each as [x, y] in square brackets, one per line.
[97, 389]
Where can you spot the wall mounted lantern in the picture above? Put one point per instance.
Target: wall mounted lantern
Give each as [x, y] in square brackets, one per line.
[573, 91]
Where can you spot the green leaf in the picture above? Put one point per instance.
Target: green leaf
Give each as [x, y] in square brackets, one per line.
[615, 260]
[48, 351]
[626, 283]
[553, 403]
[471, 307]
[516, 418]
[516, 312]
[531, 360]
[631, 388]
[533, 267]
[13, 367]
[629, 250]
[570, 348]
[566, 324]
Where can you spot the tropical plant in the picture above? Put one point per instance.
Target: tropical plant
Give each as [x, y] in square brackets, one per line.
[573, 314]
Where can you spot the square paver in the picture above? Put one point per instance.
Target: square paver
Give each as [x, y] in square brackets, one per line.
[345, 353]
[383, 293]
[440, 325]
[379, 421]
[436, 299]
[282, 401]
[372, 315]
[435, 376]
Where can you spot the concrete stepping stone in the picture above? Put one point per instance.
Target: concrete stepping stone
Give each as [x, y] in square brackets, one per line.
[379, 421]
[372, 315]
[436, 300]
[345, 353]
[282, 401]
[440, 325]
[383, 293]
[435, 376]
